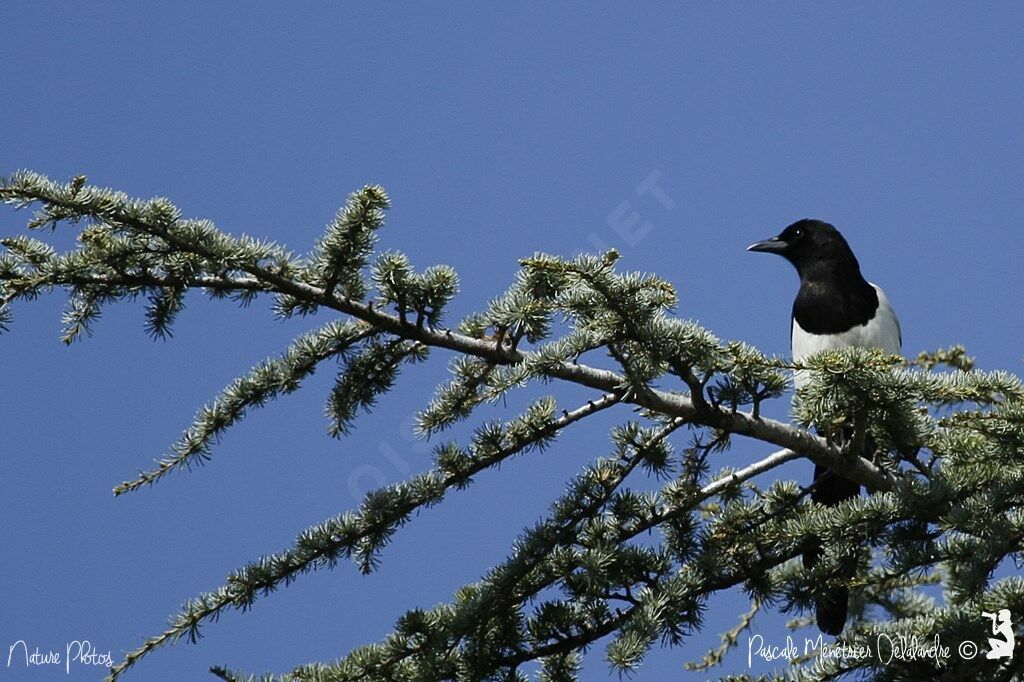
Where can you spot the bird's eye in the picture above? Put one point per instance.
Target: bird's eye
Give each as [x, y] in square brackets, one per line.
[798, 232]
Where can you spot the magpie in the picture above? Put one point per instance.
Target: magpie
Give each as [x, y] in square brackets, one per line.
[835, 307]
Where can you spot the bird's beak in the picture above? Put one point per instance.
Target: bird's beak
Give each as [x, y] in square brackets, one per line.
[773, 245]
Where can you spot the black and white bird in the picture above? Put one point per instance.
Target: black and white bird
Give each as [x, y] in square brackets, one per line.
[834, 308]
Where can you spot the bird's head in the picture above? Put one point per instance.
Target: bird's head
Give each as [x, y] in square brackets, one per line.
[806, 243]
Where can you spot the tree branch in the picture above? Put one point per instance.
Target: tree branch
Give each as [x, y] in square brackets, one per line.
[142, 280]
[265, 575]
[673, 404]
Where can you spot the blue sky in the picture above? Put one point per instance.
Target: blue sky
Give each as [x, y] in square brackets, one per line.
[498, 131]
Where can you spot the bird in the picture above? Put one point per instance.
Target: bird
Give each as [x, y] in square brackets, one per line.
[835, 307]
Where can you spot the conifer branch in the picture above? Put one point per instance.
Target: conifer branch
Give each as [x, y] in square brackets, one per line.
[519, 578]
[137, 281]
[266, 381]
[508, 585]
[355, 535]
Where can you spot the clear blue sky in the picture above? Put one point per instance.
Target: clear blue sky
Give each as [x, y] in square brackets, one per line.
[498, 131]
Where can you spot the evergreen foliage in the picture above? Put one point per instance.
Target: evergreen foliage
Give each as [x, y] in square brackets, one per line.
[946, 483]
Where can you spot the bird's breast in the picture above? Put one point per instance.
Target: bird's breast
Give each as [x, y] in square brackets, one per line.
[881, 330]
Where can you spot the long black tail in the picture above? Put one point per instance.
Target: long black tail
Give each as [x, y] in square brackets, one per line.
[830, 489]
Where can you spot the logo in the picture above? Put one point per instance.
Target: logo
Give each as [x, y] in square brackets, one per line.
[1001, 627]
